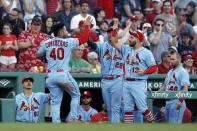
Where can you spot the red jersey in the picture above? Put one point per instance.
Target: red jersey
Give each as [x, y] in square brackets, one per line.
[8, 40]
[99, 117]
[51, 6]
[162, 69]
[94, 38]
[27, 57]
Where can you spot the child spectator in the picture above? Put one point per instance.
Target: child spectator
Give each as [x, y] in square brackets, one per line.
[8, 46]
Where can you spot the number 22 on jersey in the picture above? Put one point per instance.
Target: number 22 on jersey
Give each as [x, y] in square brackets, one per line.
[57, 54]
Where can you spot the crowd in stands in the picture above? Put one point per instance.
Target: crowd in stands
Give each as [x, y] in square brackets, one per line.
[167, 25]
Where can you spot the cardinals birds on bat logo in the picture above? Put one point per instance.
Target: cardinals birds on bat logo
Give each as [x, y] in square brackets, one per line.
[129, 59]
[137, 57]
[107, 55]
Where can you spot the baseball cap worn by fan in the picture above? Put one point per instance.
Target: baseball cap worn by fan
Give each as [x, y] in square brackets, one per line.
[134, 18]
[187, 57]
[137, 34]
[85, 93]
[173, 49]
[112, 31]
[37, 21]
[81, 23]
[27, 78]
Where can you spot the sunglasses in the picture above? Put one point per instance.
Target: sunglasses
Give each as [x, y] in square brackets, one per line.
[189, 60]
[160, 25]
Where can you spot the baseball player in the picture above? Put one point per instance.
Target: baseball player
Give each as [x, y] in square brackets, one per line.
[58, 51]
[28, 103]
[85, 110]
[139, 62]
[177, 79]
[112, 74]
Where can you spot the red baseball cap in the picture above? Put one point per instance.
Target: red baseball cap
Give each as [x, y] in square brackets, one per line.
[133, 18]
[186, 57]
[37, 20]
[137, 34]
[112, 31]
[81, 23]
[86, 93]
[27, 78]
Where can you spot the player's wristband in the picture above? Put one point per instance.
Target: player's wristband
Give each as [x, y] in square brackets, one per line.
[181, 100]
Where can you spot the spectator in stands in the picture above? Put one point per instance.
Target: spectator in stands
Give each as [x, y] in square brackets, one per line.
[135, 23]
[47, 26]
[92, 35]
[156, 11]
[108, 6]
[77, 64]
[82, 16]
[8, 5]
[146, 30]
[51, 6]
[32, 8]
[138, 13]
[85, 110]
[159, 40]
[29, 42]
[183, 26]
[66, 14]
[185, 47]
[28, 26]
[94, 61]
[99, 15]
[8, 46]
[20, 14]
[77, 6]
[17, 24]
[165, 66]
[28, 103]
[192, 13]
[170, 20]
[188, 64]
[181, 4]
[128, 8]
[102, 32]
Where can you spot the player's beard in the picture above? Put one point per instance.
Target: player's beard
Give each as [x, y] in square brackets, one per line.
[87, 103]
[175, 65]
[133, 43]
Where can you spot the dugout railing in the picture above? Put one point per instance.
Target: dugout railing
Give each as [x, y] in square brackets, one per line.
[10, 84]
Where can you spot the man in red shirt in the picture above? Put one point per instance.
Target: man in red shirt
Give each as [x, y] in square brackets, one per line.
[29, 42]
[92, 35]
[156, 11]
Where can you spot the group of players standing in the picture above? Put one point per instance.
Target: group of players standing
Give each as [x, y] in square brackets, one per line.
[125, 69]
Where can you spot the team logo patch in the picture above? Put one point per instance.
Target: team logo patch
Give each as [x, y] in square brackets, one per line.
[107, 55]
